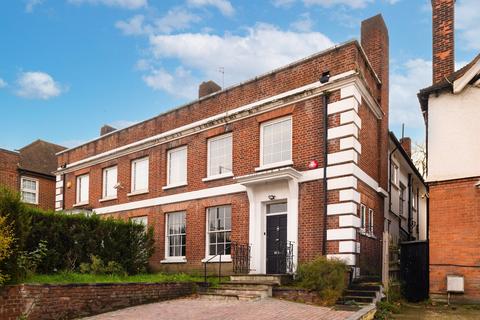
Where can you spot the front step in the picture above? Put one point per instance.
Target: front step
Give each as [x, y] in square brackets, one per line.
[279, 279]
[362, 293]
[245, 287]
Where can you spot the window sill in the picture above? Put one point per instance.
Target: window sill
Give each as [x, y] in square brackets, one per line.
[174, 260]
[136, 193]
[171, 186]
[225, 258]
[107, 199]
[81, 204]
[274, 165]
[218, 177]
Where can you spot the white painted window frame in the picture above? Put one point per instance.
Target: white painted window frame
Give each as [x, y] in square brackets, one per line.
[181, 183]
[280, 163]
[370, 221]
[105, 184]
[395, 174]
[363, 217]
[133, 173]
[78, 189]
[211, 176]
[168, 258]
[208, 256]
[36, 191]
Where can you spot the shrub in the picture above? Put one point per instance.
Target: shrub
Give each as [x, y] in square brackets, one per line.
[98, 267]
[72, 239]
[325, 276]
[28, 262]
[6, 242]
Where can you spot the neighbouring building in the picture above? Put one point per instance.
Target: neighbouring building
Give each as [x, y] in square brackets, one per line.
[407, 208]
[451, 109]
[283, 163]
[29, 171]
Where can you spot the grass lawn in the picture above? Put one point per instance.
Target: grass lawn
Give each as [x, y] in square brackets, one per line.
[70, 277]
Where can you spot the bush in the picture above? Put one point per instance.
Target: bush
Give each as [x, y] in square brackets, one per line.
[6, 242]
[71, 239]
[325, 276]
[28, 262]
[98, 267]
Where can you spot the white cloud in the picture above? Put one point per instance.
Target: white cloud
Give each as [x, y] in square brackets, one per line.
[330, 3]
[37, 85]
[224, 6]
[175, 19]
[3, 83]
[467, 15]
[304, 23]
[263, 48]
[120, 124]
[30, 5]
[405, 82]
[127, 4]
[283, 3]
[180, 83]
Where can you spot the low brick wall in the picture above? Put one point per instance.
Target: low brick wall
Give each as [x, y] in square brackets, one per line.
[297, 295]
[80, 300]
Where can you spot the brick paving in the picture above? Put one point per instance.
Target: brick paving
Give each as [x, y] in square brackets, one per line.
[193, 308]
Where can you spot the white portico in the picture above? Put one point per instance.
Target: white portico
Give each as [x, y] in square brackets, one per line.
[277, 187]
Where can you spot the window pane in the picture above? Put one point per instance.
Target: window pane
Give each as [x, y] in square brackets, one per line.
[277, 142]
[277, 207]
[177, 172]
[110, 180]
[212, 249]
[140, 174]
[220, 155]
[28, 197]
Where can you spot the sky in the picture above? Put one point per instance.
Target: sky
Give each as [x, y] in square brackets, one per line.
[67, 67]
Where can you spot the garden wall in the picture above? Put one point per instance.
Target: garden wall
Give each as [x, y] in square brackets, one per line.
[297, 295]
[80, 300]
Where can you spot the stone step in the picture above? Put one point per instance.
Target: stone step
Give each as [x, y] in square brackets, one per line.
[250, 284]
[361, 293]
[365, 287]
[229, 297]
[360, 299]
[242, 291]
[278, 279]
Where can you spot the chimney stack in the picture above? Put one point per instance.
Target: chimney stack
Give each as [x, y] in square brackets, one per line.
[207, 88]
[106, 129]
[407, 145]
[443, 13]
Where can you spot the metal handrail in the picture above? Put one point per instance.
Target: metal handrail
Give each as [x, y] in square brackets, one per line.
[219, 264]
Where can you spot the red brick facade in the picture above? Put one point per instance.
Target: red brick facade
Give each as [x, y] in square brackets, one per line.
[454, 235]
[353, 117]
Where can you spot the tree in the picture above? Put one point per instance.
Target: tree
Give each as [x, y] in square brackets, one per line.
[419, 157]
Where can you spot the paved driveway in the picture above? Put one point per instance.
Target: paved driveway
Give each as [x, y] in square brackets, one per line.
[193, 308]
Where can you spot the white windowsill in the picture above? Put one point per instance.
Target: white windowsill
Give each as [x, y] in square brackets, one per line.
[174, 260]
[274, 165]
[80, 204]
[225, 258]
[171, 186]
[107, 199]
[218, 176]
[136, 193]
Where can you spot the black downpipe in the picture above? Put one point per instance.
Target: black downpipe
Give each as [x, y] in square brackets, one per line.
[409, 221]
[325, 159]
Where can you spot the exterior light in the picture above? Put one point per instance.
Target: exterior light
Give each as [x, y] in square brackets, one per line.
[313, 164]
[271, 197]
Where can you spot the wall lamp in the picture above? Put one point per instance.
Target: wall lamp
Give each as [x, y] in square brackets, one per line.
[271, 197]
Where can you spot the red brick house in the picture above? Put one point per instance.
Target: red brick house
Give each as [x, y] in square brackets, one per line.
[281, 162]
[30, 172]
[451, 109]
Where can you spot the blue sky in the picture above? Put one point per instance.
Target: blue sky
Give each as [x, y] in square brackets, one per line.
[69, 66]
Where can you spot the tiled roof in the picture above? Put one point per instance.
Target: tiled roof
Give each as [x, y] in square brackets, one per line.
[39, 156]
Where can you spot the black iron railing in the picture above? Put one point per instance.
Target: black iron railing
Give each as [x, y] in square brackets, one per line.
[281, 258]
[240, 255]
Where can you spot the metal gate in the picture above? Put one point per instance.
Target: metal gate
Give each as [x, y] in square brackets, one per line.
[414, 270]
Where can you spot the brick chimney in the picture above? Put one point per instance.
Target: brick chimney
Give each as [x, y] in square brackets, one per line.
[207, 88]
[106, 129]
[375, 43]
[407, 145]
[443, 39]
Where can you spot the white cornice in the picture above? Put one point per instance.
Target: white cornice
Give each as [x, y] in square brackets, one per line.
[249, 110]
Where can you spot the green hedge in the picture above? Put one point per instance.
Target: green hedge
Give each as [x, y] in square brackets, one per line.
[72, 238]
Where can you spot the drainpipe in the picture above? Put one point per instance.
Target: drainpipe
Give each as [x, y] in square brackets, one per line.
[325, 159]
[409, 221]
